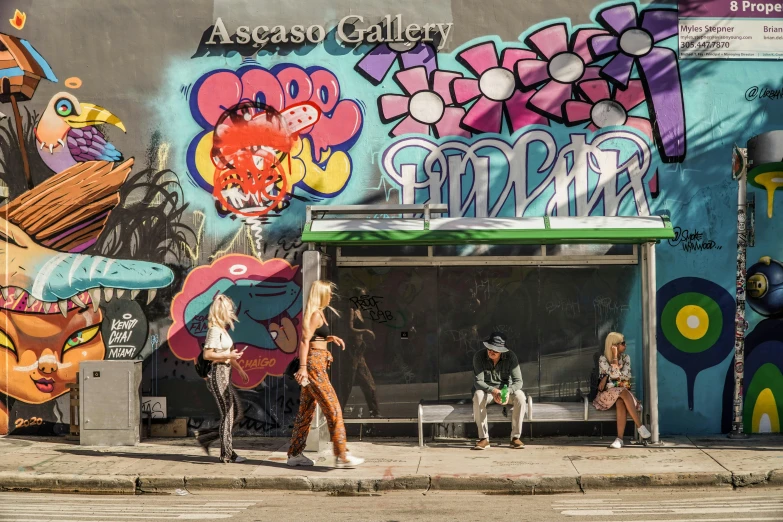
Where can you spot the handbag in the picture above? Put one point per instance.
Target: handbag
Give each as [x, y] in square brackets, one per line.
[292, 367]
[202, 365]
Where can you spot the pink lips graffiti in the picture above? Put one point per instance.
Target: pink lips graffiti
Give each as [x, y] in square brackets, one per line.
[44, 385]
[280, 88]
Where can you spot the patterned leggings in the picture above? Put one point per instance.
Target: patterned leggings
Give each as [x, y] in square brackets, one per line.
[319, 390]
[219, 383]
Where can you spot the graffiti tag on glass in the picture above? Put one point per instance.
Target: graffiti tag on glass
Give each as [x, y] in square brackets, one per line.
[370, 304]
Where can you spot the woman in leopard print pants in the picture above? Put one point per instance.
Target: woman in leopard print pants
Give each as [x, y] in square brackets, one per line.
[313, 375]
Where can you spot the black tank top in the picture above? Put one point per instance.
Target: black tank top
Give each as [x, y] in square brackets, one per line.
[321, 333]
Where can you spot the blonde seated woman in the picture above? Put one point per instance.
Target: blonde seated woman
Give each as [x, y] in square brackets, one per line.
[614, 387]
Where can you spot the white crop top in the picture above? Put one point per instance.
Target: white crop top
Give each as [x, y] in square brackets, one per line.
[218, 339]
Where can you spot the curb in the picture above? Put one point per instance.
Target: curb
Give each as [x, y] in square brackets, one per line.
[58, 483]
[520, 485]
[527, 484]
[693, 480]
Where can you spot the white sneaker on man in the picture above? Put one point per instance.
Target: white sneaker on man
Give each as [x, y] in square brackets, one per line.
[644, 432]
[617, 444]
[349, 461]
[299, 460]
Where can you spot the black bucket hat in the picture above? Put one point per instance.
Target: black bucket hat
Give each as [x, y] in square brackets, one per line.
[496, 342]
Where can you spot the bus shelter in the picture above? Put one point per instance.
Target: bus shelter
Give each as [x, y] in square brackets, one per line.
[544, 279]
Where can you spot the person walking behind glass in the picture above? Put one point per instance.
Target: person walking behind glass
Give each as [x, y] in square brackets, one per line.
[358, 371]
[218, 348]
[313, 375]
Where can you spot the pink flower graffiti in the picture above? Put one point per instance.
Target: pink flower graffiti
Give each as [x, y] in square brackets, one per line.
[533, 85]
[563, 64]
[428, 105]
[494, 89]
[604, 108]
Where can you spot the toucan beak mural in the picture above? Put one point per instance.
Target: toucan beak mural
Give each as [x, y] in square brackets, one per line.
[89, 114]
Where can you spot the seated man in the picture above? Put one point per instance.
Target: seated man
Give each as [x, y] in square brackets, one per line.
[493, 368]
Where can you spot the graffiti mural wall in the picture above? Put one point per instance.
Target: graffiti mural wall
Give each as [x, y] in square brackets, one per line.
[175, 160]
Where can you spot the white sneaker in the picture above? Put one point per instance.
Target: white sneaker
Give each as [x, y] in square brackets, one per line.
[300, 460]
[239, 459]
[644, 432]
[617, 444]
[349, 462]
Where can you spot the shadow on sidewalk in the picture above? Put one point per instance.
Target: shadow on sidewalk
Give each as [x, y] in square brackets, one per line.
[191, 459]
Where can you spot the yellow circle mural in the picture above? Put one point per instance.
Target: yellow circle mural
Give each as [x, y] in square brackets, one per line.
[692, 322]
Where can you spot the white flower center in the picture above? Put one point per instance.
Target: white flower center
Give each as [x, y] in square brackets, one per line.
[607, 113]
[497, 84]
[636, 42]
[401, 47]
[566, 67]
[426, 107]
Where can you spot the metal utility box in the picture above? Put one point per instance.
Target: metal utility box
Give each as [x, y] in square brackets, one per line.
[110, 403]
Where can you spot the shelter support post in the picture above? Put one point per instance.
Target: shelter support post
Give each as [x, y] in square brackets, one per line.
[649, 340]
[318, 439]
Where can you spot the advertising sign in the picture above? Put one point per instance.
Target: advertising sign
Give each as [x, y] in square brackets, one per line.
[730, 29]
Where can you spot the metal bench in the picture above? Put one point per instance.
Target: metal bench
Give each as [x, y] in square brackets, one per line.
[462, 412]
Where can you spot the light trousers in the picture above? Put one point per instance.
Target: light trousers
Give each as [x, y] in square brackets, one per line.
[483, 400]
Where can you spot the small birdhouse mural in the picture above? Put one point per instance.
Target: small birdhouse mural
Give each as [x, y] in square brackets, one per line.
[21, 68]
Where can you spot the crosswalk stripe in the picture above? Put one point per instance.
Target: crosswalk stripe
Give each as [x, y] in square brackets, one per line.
[678, 511]
[673, 501]
[713, 520]
[74, 508]
[733, 507]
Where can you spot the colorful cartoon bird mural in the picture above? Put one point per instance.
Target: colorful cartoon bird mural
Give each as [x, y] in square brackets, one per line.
[66, 135]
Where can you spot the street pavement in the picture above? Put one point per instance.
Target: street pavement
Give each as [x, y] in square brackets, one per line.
[638, 505]
[545, 466]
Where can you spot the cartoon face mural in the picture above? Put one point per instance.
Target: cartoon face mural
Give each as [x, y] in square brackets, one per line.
[765, 287]
[268, 303]
[51, 316]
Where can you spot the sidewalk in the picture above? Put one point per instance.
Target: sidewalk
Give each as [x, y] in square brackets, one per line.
[546, 465]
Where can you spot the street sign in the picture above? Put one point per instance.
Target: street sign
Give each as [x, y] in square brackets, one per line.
[737, 30]
[738, 163]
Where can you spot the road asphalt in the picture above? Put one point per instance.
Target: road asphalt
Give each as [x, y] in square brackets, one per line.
[639, 505]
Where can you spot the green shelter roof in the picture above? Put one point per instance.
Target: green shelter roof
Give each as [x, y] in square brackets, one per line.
[429, 230]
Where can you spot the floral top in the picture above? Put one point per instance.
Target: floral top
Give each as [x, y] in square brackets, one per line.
[617, 376]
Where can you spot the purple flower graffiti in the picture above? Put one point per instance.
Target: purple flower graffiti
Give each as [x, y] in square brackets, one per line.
[376, 64]
[633, 41]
